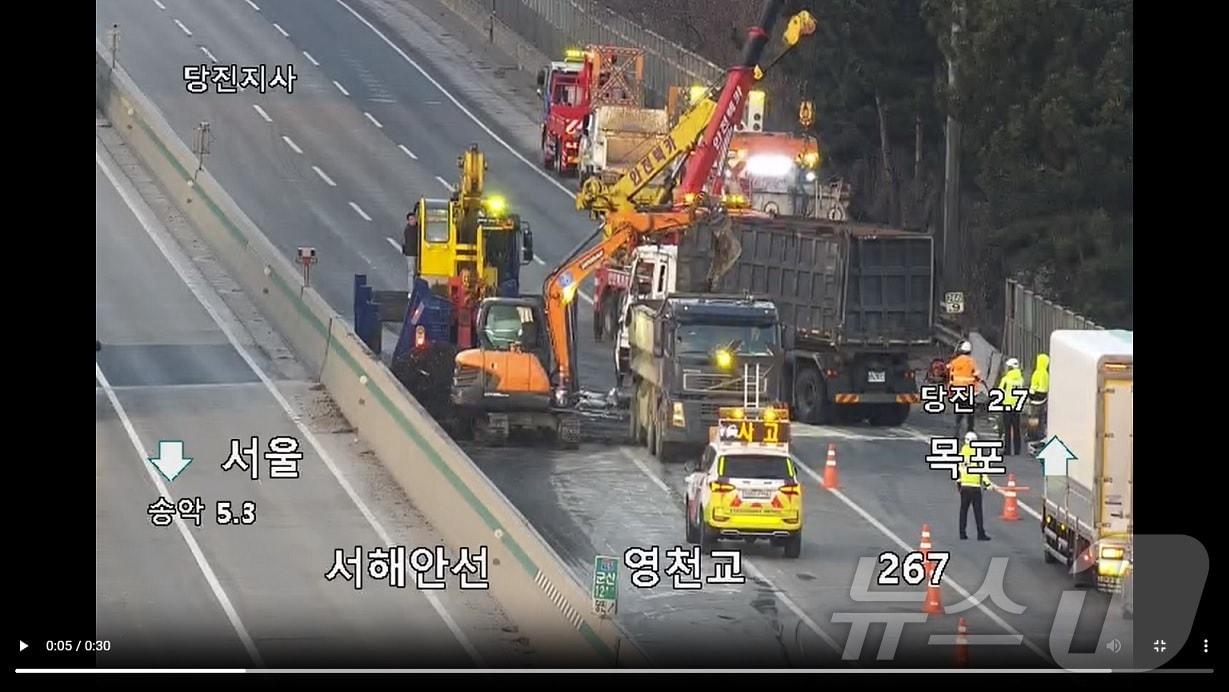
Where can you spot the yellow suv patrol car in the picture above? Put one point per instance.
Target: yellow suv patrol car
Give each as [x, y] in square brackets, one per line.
[746, 485]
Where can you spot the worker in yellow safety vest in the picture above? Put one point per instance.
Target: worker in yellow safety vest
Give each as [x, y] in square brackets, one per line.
[1011, 381]
[1039, 389]
[970, 486]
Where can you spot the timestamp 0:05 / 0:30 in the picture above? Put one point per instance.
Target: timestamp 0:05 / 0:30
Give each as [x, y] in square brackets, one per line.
[78, 645]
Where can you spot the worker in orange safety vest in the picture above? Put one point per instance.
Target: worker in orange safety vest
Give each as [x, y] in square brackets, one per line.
[963, 373]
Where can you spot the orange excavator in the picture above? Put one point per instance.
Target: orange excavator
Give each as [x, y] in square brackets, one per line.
[522, 375]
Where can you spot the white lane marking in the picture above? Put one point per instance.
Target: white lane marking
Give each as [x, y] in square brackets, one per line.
[640, 465]
[340, 88]
[373, 120]
[310, 58]
[407, 152]
[290, 143]
[922, 437]
[254, 5]
[262, 112]
[163, 491]
[324, 177]
[181, 26]
[751, 568]
[160, 5]
[457, 103]
[394, 243]
[359, 211]
[146, 216]
[201, 562]
[947, 579]
[280, 29]
[539, 260]
[206, 52]
[445, 183]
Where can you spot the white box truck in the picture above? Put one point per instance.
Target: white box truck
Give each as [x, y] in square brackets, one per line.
[1087, 517]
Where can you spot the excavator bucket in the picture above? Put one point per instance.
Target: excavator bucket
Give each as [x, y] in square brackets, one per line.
[726, 250]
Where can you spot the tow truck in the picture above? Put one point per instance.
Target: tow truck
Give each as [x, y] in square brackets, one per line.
[745, 486]
[595, 81]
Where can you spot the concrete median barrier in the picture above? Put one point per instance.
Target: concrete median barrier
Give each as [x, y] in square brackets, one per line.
[540, 594]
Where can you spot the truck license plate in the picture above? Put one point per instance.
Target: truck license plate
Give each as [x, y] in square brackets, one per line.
[875, 376]
[756, 494]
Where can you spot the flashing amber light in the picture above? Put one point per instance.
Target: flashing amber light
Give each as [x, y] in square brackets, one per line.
[420, 336]
[573, 55]
[724, 359]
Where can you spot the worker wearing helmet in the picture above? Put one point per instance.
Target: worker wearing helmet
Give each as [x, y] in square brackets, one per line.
[1011, 384]
[970, 486]
[962, 372]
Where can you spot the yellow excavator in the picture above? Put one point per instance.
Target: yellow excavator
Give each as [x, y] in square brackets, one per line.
[522, 374]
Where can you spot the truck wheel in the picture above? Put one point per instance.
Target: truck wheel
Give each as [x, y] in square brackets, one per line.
[793, 545]
[609, 325]
[691, 529]
[546, 155]
[654, 438]
[810, 397]
[650, 439]
[890, 415]
[633, 418]
[707, 539]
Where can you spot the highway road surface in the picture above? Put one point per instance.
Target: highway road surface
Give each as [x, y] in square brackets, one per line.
[238, 595]
[387, 98]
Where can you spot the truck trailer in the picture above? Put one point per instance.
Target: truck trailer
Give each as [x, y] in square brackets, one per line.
[1087, 513]
[855, 303]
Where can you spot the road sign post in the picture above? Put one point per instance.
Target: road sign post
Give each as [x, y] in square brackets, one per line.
[605, 585]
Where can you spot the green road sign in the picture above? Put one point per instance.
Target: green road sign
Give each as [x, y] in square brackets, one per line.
[605, 584]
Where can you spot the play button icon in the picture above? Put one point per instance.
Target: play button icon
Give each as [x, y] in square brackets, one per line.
[22, 646]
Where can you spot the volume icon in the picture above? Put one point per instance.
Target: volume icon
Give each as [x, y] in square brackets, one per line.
[1114, 645]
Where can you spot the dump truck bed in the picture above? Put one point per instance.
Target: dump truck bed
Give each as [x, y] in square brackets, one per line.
[832, 282]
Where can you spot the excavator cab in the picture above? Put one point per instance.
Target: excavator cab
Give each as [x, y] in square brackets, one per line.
[504, 384]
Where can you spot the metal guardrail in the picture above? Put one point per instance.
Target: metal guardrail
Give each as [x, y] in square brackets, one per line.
[555, 25]
[1028, 321]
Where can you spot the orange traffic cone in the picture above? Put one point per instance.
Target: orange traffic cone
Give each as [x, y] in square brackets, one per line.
[830, 480]
[933, 604]
[1011, 508]
[962, 644]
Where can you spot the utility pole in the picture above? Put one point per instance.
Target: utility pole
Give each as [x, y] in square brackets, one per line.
[953, 240]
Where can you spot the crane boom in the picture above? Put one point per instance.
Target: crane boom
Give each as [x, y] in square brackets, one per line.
[713, 145]
[560, 287]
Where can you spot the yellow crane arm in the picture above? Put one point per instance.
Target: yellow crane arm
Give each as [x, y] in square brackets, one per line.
[627, 229]
[598, 198]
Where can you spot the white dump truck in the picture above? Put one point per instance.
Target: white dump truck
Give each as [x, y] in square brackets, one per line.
[1087, 514]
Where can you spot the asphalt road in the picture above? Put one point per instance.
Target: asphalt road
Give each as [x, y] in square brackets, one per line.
[382, 142]
[236, 595]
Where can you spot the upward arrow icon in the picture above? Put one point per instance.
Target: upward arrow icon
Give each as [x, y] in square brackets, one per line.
[1055, 456]
[170, 460]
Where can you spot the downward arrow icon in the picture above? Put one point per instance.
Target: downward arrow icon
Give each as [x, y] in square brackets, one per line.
[170, 460]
